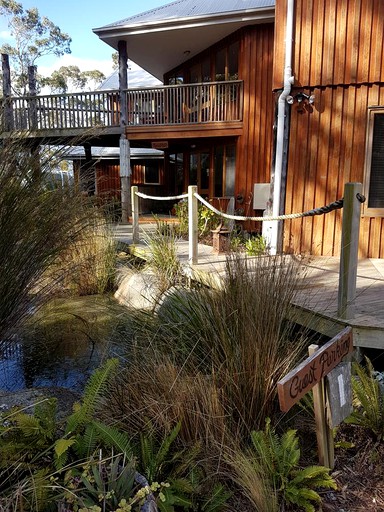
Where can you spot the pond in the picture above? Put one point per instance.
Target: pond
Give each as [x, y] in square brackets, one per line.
[63, 344]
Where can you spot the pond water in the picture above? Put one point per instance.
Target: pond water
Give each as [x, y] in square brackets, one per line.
[61, 348]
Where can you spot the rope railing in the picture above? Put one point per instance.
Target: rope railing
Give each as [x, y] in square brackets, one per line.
[156, 198]
[336, 205]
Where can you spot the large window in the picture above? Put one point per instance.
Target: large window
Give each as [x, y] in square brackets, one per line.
[374, 164]
[219, 63]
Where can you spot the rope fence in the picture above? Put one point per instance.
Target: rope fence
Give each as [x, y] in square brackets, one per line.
[351, 204]
[322, 210]
[156, 198]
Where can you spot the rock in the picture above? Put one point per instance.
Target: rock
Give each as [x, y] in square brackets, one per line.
[27, 398]
[138, 290]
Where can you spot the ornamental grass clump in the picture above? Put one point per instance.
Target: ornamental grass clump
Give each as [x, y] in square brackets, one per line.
[90, 260]
[213, 357]
[38, 222]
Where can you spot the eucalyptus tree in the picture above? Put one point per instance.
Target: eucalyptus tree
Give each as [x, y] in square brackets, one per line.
[33, 37]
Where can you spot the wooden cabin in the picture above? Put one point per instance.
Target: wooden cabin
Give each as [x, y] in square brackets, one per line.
[147, 166]
[280, 93]
[223, 65]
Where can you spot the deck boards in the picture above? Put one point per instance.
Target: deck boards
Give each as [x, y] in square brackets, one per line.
[315, 305]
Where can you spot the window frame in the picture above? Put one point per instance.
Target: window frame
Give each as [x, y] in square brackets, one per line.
[367, 211]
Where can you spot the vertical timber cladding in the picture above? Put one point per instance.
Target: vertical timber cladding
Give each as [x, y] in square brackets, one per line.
[254, 147]
[338, 57]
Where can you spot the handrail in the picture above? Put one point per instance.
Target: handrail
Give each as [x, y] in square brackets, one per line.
[204, 102]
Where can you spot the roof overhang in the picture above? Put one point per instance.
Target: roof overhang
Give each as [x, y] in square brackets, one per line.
[160, 46]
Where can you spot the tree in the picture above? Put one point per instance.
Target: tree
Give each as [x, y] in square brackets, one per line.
[68, 78]
[35, 36]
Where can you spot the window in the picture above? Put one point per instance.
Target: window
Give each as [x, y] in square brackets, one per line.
[374, 164]
[152, 174]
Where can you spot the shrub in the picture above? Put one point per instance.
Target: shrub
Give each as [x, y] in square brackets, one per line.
[207, 219]
[368, 399]
[271, 466]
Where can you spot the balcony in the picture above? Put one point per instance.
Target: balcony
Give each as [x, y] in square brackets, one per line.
[212, 103]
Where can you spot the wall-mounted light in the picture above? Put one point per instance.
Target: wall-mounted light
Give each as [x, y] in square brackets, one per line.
[299, 97]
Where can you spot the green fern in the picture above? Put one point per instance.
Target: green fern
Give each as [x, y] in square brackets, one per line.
[277, 458]
[368, 400]
[96, 385]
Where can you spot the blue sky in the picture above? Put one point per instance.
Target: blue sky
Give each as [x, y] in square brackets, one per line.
[77, 18]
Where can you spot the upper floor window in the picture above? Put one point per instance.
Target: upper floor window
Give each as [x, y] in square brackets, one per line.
[374, 164]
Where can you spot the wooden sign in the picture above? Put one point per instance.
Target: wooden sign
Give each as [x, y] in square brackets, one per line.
[160, 144]
[310, 372]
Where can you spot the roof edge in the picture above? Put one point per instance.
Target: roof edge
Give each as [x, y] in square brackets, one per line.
[174, 23]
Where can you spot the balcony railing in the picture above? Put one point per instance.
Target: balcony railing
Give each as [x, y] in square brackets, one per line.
[208, 102]
[168, 105]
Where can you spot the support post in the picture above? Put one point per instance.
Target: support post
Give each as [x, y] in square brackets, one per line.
[7, 93]
[349, 250]
[135, 214]
[125, 179]
[125, 170]
[32, 94]
[193, 232]
[324, 434]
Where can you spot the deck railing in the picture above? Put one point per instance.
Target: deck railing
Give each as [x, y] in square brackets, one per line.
[61, 111]
[176, 104]
[208, 102]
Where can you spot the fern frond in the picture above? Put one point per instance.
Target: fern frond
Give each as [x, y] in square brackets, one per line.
[97, 384]
[166, 444]
[111, 436]
[217, 500]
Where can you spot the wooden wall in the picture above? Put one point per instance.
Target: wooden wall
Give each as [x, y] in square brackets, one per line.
[338, 57]
[254, 146]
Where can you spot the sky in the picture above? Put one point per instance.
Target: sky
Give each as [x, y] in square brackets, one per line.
[77, 18]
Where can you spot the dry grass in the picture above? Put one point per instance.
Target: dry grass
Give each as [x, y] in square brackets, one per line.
[90, 260]
[212, 358]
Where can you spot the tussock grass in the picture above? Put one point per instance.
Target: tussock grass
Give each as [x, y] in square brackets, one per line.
[213, 358]
[91, 258]
[37, 223]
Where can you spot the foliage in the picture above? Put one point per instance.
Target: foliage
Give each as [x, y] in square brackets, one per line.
[368, 399]
[187, 481]
[163, 259]
[275, 463]
[212, 357]
[109, 485]
[256, 246]
[71, 78]
[38, 223]
[34, 37]
[207, 219]
[90, 260]
[24, 436]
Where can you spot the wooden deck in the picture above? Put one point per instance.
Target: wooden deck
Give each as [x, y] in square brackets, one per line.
[316, 302]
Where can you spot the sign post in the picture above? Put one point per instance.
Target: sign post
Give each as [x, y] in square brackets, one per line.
[309, 375]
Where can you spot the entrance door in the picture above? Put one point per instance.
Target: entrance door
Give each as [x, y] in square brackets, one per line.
[199, 169]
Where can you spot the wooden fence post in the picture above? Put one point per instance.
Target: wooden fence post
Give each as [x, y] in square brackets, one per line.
[349, 251]
[324, 434]
[193, 231]
[135, 214]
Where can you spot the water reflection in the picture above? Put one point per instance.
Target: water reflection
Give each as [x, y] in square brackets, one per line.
[62, 350]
